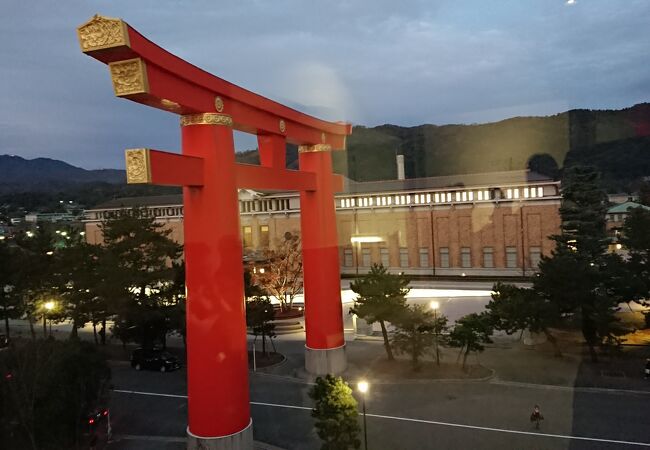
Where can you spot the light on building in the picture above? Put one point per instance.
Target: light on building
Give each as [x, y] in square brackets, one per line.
[619, 246]
[261, 269]
[50, 253]
[365, 239]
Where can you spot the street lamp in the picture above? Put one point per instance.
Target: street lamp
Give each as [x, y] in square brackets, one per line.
[434, 306]
[363, 388]
[49, 307]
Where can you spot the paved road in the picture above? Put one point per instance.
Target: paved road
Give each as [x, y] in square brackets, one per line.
[598, 415]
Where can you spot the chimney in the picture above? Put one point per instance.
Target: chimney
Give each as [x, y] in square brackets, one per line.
[400, 167]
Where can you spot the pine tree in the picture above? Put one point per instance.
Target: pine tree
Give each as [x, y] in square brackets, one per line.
[417, 331]
[336, 414]
[573, 278]
[470, 332]
[139, 276]
[381, 297]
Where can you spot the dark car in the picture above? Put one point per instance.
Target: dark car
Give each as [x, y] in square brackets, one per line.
[154, 359]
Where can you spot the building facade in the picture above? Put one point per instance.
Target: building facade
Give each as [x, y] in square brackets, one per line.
[493, 224]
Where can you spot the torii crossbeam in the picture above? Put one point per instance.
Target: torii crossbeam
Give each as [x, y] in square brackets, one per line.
[210, 108]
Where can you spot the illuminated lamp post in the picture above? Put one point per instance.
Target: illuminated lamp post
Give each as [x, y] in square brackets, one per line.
[434, 306]
[363, 388]
[48, 308]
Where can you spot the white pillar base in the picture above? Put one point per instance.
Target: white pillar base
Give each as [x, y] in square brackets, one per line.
[322, 362]
[242, 440]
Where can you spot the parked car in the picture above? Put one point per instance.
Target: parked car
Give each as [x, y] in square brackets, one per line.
[154, 359]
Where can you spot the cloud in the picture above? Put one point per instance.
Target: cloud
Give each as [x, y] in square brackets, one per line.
[369, 62]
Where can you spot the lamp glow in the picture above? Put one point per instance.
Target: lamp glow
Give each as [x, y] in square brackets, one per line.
[49, 306]
[434, 305]
[362, 386]
[365, 239]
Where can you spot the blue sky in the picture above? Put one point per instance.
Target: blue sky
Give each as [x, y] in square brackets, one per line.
[367, 62]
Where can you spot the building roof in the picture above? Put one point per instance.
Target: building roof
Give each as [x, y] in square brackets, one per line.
[134, 202]
[354, 187]
[448, 181]
[625, 207]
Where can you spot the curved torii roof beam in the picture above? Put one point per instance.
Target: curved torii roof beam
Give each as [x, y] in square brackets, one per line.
[146, 73]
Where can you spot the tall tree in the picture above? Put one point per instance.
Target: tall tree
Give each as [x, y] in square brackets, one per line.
[282, 275]
[77, 278]
[381, 297]
[417, 331]
[336, 414]
[573, 277]
[139, 271]
[470, 332]
[513, 309]
[259, 318]
[636, 239]
[9, 297]
[33, 267]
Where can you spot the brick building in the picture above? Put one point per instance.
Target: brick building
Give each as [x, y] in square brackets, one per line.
[490, 224]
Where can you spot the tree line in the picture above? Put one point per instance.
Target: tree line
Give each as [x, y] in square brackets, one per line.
[135, 279]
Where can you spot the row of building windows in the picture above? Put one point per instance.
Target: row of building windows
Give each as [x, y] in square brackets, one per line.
[535, 255]
[440, 197]
[158, 212]
[616, 217]
[265, 205]
[532, 192]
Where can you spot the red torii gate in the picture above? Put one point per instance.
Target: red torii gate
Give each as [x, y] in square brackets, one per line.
[210, 108]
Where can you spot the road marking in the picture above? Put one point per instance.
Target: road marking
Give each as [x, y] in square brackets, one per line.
[154, 394]
[133, 437]
[430, 422]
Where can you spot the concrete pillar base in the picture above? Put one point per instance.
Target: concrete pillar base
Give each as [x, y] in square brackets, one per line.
[242, 440]
[322, 362]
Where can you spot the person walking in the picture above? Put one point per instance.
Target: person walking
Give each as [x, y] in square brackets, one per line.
[536, 416]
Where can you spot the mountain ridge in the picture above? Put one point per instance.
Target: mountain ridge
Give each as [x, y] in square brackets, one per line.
[616, 141]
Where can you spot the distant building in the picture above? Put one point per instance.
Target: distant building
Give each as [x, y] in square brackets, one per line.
[490, 224]
[49, 217]
[615, 218]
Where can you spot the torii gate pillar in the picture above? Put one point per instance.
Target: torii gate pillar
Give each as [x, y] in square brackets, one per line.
[325, 343]
[216, 382]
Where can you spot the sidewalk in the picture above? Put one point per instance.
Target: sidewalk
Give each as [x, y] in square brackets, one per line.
[508, 358]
